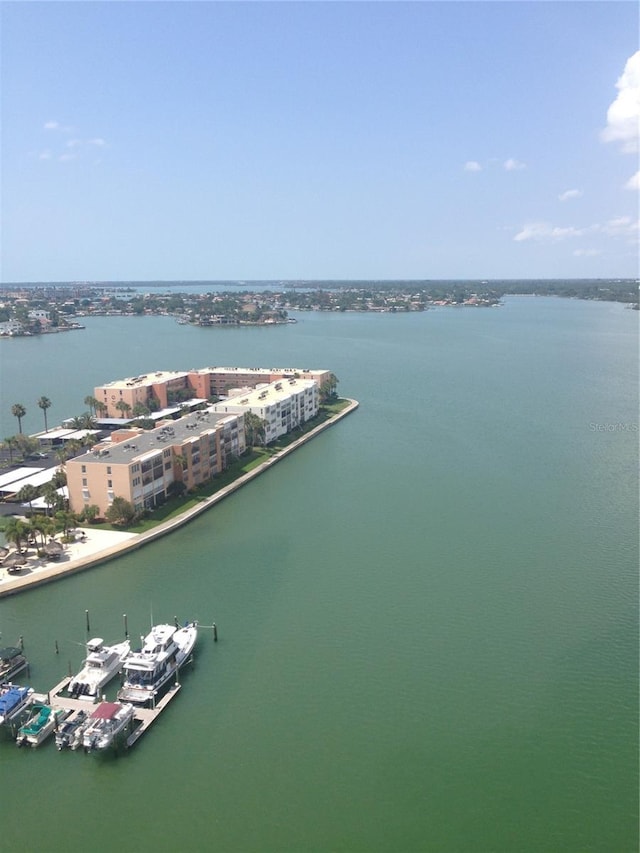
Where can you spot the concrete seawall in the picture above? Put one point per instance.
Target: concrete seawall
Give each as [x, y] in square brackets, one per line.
[56, 572]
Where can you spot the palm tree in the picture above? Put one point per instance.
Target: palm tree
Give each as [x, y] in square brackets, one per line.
[65, 520]
[255, 429]
[44, 403]
[101, 407]
[18, 411]
[87, 421]
[44, 526]
[124, 407]
[16, 531]
[27, 494]
[51, 495]
[10, 444]
[92, 403]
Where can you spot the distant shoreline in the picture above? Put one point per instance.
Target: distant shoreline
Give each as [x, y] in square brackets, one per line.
[55, 572]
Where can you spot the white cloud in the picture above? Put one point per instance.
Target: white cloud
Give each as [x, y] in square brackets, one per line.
[623, 116]
[472, 166]
[586, 253]
[634, 182]
[512, 165]
[55, 125]
[622, 226]
[73, 143]
[44, 155]
[64, 157]
[568, 194]
[545, 231]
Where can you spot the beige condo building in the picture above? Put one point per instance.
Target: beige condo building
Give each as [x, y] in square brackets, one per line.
[165, 388]
[143, 466]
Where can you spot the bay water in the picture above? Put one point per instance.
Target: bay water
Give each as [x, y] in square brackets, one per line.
[427, 616]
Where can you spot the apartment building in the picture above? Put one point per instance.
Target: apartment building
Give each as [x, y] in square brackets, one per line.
[163, 389]
[283, 405]
[143, 466]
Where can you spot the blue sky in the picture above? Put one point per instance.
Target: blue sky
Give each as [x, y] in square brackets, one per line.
[331, 140]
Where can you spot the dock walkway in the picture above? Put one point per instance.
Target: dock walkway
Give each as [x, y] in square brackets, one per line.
[143, 718]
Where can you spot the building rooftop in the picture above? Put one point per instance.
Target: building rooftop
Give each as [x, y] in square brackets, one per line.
[146, 443]
[146, 379]
[264, 395]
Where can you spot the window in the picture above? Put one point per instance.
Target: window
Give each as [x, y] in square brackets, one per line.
[109, 484]
[108, 469]
[84, 469]
[84, 481]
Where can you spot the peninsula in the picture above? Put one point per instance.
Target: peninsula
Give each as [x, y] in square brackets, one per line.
[139, 482]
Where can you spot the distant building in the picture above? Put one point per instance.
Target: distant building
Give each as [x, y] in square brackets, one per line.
[164, 389]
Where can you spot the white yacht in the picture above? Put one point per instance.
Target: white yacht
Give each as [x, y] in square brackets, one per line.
[105, 724]
[101, 664]
[147, 670]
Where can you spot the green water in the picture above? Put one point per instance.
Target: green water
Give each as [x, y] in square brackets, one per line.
[428, 617]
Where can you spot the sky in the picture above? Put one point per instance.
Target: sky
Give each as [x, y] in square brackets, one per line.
[146, 141]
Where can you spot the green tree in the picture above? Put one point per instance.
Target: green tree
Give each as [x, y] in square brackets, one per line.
[101, 408]
[44, 526]
[121, 511]
[124, 407]
[11, 445]
[27, 494]
[65, 520]
[328, 389]
[45, 403]
[92, 403]
[90, 513]
[255, 429]
[18, 411]
[26, 444]
[52, 498]
[16, 531]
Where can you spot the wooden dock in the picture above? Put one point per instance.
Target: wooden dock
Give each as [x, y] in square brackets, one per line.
[142, 719]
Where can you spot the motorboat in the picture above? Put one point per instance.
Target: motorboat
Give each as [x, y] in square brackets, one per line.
[105, 724]
[67, 732]
[13, 701]
[148, 669]
[12, 662]
[101, 664]
[42, 722]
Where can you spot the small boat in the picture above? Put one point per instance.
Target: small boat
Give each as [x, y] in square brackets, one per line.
[147, 670]
[105, 724]
[42, 722]
[69, 730]
[101, 664]
[12, 662]
[13, 701]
